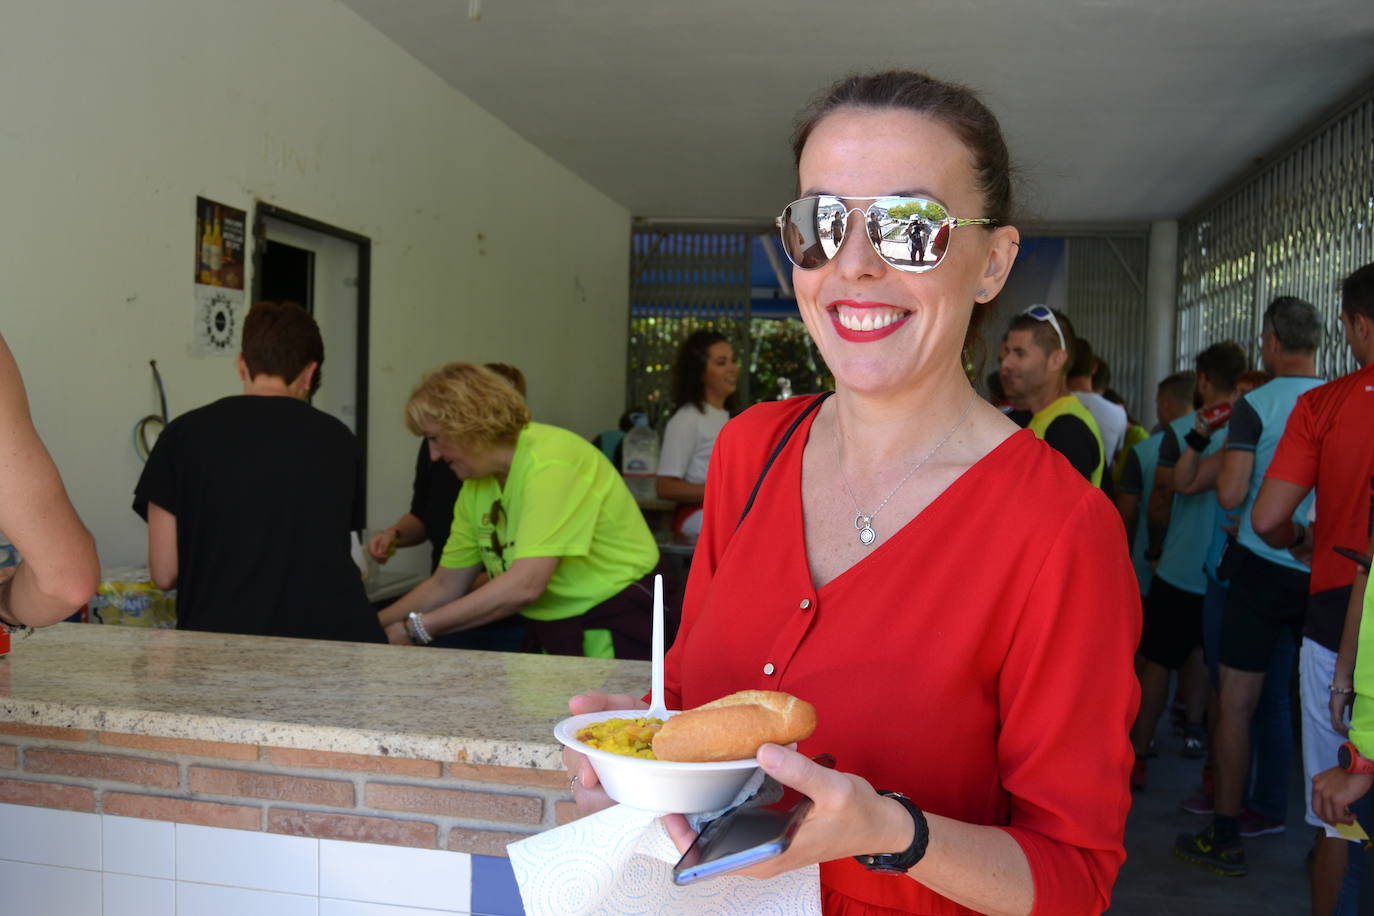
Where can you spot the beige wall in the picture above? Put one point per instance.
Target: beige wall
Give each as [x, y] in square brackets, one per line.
[114, 116]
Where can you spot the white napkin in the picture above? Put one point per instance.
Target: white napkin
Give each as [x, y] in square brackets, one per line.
[619, 862]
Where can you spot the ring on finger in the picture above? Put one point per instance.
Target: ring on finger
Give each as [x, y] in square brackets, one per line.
[574, 782]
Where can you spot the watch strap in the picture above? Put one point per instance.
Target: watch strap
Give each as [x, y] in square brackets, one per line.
[1197, 441]
[1352, 761]
[897, 863]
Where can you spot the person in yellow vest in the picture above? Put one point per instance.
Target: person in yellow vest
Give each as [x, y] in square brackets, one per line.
[1035, 360]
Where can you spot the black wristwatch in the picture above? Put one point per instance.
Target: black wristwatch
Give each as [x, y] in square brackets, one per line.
[1197, 440]
[897, 863]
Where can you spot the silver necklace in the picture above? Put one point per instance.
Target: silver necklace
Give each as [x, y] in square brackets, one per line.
[863, 522]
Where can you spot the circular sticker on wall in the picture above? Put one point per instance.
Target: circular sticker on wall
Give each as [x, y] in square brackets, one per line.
[218, 322]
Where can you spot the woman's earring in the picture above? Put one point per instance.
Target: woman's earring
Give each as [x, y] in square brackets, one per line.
[982, 294]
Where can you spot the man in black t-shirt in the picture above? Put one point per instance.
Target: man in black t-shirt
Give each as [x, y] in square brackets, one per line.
[250, 500]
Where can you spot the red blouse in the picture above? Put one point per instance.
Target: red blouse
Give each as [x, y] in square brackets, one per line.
[979, 660]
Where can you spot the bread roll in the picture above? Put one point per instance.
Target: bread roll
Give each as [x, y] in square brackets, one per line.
[735, 727]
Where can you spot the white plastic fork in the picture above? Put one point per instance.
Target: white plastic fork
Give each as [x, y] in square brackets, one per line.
[657, 708]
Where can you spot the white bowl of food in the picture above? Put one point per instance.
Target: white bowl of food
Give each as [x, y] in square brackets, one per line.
[665, 786]
[712, 748]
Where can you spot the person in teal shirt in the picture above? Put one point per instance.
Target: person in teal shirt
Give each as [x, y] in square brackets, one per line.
[1173, 399]
[543, 513]
[1180, 529]
[1267, 590]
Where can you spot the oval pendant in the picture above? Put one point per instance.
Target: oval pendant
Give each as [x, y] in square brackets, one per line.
[867, 535]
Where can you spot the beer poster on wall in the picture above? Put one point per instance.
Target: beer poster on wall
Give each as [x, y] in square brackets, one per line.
[217, 323]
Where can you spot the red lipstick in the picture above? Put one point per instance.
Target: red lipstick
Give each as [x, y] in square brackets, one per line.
[862, 336]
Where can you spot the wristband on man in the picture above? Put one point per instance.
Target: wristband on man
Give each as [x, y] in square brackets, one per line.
[1197, 440]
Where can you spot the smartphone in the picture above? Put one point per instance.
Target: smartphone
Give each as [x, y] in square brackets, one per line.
[1358, 557]
[739, 839]
[1217, 415]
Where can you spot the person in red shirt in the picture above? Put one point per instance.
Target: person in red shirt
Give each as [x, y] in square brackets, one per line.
[953, 597]
[1328, 444]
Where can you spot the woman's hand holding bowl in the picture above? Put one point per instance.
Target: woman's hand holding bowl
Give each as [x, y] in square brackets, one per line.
[586, 789]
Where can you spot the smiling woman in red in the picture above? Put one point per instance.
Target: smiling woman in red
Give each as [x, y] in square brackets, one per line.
[955, 600]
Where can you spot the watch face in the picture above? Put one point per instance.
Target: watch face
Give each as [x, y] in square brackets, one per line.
[882, 864]
[1343, 759]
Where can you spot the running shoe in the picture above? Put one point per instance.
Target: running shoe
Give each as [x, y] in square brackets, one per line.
[1253, 824]
[1201, 848]
[1200, 802]
[1194, 742]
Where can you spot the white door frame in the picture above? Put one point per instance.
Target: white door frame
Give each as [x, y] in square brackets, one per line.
[263, 211]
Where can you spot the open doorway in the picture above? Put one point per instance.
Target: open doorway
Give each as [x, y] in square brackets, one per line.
[326, 270]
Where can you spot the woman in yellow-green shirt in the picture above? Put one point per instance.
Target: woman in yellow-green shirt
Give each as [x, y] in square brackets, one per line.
[543, 513]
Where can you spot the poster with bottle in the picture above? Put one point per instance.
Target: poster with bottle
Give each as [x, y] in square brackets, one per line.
[220, 234]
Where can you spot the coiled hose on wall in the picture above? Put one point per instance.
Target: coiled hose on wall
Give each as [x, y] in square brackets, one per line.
[141, 445]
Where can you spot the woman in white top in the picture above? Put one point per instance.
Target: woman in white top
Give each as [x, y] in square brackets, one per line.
[704, 378]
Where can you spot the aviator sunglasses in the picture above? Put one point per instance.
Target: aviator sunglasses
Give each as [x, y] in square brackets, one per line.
[909, 233]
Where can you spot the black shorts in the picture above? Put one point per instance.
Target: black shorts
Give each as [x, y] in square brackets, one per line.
[1172, 624]
[1263, 600]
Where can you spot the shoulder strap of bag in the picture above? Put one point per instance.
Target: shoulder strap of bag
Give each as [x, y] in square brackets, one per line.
[820, 398]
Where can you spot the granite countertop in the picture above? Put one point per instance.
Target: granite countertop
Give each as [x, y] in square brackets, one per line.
[491, 708]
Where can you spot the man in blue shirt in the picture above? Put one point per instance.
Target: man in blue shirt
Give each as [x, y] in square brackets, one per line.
[1268, 587]
[1173, 399]
[1180, 531]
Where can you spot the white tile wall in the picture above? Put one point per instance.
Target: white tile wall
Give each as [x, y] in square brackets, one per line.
[213, 900]
[44, 836]
[353, 908]
[41, 889]
[134, 846]
[76, 864]
[126, 895]
[246, 858]
[396, 875]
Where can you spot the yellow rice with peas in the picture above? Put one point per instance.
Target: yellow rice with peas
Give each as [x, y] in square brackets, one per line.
[629, 737]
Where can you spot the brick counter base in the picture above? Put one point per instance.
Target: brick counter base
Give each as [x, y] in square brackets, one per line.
[427, 804]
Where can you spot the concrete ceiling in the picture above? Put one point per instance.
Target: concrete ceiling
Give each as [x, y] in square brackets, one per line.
[1115, 110]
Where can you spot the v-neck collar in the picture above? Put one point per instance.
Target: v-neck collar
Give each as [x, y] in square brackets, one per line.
[797, 511]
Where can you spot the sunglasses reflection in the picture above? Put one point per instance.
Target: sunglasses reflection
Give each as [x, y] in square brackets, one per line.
[908, 233]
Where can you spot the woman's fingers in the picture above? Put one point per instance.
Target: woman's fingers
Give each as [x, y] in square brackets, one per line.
[679, 831]
[579, 769]
[595, 701]
[585, 786]
[1339, 703]
[797, 771]
[586, 789]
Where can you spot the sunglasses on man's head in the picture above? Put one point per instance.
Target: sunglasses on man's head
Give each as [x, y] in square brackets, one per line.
[1043, 313]
[495, 514]
[909, 233]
